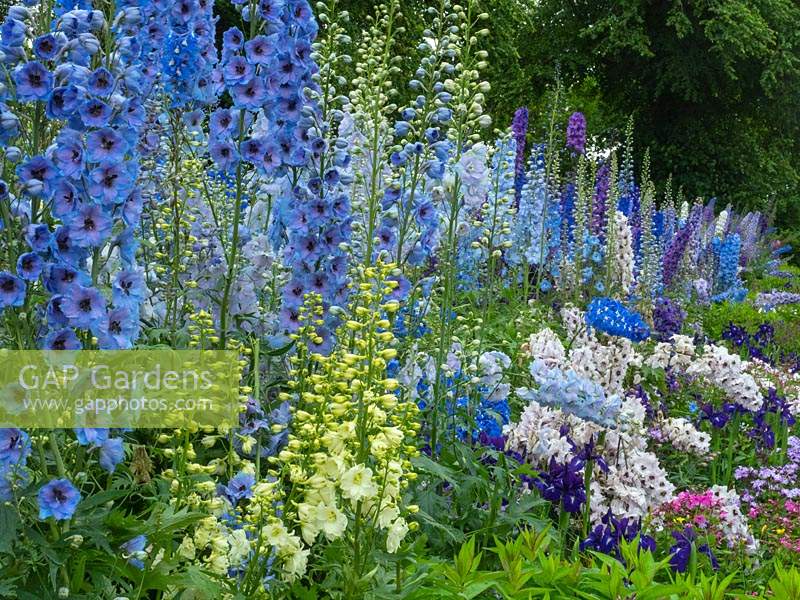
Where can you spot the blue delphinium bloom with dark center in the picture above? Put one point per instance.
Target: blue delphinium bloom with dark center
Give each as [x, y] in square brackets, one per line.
[95, 113]
[62, 339]
[612, 317]
[118, 330]
[563, 484]
[109, 183]
[128, 288]
[84, 307]
[36, 176]
[133, 549]
[90, 226]
[101, 82]
[38, 237]
[105, 145]
[29, 266]
[58, 499]
[12, 290]
[240, 487]
[15, 446]
[33, 82]
[46, 46]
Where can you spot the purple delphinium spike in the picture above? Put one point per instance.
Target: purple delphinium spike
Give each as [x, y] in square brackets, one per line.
[668, 317]
[576, 133]
[768, 300]
[678, 245]
[519, 129]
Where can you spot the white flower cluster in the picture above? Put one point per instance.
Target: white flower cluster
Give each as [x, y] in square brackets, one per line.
[728, 372]
[219, 547]
[686, 437]
[621, 254]
[715, 365]
[606, 363]
[721, 224]
[634, 482]
[734, 523]
[677, 354]
[634, 485]
[788, 384]
[537, 434]
[547, 347]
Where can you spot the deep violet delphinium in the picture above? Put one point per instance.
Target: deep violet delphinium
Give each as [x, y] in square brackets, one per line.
[576, 133]
[668, 317]
[519, 130]
[563, 485]
[606, 536]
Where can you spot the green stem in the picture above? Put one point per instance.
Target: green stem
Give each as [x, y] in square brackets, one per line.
[234, 245]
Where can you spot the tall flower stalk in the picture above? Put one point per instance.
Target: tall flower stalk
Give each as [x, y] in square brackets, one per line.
[467, 100]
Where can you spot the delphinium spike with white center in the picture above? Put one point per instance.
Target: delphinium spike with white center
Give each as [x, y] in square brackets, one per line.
[649, 276]
[620, 256]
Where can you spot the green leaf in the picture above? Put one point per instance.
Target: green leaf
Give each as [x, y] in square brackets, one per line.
[8, 589]
[426, 465]
[9, 525]
[455, 535]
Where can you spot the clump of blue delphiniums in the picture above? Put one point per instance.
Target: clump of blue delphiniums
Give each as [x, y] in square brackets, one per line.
[78, 202]
[612, 317]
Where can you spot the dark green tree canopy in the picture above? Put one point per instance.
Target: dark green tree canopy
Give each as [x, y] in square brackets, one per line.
[714, 85]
